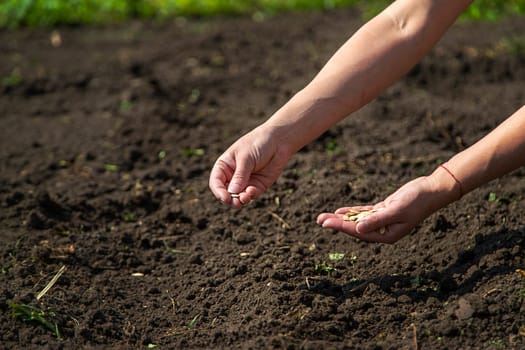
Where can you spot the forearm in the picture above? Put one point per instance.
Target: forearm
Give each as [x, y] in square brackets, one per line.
[378, 54]
[496, 154]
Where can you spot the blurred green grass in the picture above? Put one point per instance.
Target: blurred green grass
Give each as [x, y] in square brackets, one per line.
[45, 13]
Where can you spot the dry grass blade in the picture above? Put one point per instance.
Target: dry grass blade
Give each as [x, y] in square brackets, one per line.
[281, 220]
[51, 283]
[414, 336]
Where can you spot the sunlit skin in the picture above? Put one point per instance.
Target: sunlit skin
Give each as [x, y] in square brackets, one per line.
[379, 53]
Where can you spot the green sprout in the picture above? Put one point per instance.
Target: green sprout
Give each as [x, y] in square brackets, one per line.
[193, 321]
[416, 281]
[194, 96]
[498, 343]
[332, 147]
[12, 79]
[111, 167]
[323, 268]
[162, 155]
[336, 256]
[124, 105]
[128, 217]
[33, 314]
[191, 152]
[492, 197]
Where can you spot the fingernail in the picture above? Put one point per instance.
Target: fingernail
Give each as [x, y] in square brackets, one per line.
[234, 188]
[361, 227]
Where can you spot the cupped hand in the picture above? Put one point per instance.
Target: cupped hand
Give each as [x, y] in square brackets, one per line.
[394, 217]
[248, 167]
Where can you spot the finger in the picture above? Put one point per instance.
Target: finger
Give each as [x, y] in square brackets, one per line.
[255, 187]
[376, 220]
[219, 176]
[236, 203]
[244, 198]
[389, 234]
[337, 223]
[349, 227]
[241, 175]
[321, 218]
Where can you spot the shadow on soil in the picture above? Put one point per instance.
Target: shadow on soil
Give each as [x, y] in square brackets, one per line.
[456, 279]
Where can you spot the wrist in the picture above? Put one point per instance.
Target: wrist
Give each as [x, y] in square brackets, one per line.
[276, 135]
[446, 186]
[304, 118]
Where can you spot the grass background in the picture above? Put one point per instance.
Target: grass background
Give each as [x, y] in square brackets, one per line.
[45, 13]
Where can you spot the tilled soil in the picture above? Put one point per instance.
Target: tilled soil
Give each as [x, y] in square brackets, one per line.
[106, 142]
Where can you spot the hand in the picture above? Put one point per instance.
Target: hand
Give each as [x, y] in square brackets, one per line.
[398, 214]
[249, 167]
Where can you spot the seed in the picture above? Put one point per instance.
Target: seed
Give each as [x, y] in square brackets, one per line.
[356, 215]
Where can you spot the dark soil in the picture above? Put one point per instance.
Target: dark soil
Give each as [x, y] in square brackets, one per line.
[106, 143]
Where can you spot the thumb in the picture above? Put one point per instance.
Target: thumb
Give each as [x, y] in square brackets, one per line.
[375, 221]
[241, 176]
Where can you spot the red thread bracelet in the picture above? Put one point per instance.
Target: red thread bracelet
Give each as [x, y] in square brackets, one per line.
[460, 186]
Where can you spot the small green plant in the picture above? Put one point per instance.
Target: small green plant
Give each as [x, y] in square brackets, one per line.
[12, 79]
[125, 105]
[332, 147]
[194, 96]
[498, 343]
[128, 217]
[193, 321]
[323, 268]
[193, 152]
[111, 167]
[162, 155]
[30, 313]
[336, 256]
[492, 197]
[416, 281]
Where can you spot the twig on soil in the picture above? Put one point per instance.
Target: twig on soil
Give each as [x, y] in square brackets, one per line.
[180, 251]
[493, 290]
[172, 303]
[414, 336]
[280, 219]
[51, 283]
[360, 288]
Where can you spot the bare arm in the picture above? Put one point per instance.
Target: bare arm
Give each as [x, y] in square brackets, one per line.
[496, 154]
[376, 56]
[383, 50]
